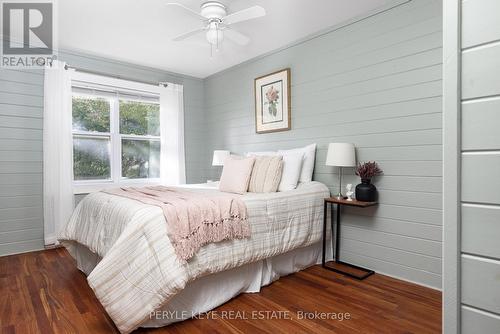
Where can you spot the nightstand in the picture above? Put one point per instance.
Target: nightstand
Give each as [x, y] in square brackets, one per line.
[335, 246]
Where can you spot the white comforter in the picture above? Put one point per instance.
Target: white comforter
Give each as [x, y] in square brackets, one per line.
[139, 271]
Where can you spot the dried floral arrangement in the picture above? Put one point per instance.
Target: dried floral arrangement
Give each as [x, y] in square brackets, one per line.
[367, 170]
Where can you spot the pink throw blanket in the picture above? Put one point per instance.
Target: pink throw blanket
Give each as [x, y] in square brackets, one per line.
[193, 219]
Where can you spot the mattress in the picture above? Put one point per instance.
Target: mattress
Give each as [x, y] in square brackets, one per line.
[138, 271]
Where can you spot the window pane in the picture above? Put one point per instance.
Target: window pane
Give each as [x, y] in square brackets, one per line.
[139, 118]
[91, 158]
[140, 159]
[90, 114]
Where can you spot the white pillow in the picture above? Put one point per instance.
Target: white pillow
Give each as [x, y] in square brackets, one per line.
[236, 174]
[292, 165]
[264, 153]
[309, 153]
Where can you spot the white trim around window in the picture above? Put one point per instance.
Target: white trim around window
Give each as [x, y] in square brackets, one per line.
[93, 80]
[134, 91]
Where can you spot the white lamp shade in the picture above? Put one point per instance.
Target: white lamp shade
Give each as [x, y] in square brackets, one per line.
[219, 157]
[341, 155]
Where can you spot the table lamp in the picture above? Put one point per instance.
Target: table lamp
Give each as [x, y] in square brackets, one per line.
[219, 157]
[341, 155]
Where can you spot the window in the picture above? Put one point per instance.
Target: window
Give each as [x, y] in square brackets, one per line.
[91, 138]
[140, 139]
[116, 136]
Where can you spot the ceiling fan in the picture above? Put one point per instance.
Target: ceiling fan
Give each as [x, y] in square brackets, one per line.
[217, 23]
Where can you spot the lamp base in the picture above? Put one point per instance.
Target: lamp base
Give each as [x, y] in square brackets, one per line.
[339, 194]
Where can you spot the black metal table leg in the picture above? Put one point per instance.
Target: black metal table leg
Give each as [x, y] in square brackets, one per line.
[323, 261]
[337, 235]
[332, 230]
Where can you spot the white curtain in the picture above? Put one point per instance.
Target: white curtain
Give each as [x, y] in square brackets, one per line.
[58, 198]
[173, 170]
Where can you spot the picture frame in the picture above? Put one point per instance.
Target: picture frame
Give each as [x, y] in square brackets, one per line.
[273, 102]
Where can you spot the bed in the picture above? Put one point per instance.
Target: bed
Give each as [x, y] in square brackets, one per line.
[122, 245]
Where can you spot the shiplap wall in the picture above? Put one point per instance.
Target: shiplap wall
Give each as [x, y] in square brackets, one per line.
[376, 83]
[21, 109]
[480, 166]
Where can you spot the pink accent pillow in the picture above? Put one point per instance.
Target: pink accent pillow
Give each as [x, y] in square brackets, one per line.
[236, 174]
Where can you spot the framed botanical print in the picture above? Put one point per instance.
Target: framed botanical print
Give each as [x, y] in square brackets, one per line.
[272, 102]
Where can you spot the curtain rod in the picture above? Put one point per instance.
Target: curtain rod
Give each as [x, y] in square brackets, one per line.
[66, 67]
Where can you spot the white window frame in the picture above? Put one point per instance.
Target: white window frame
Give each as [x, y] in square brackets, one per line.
[88, 186]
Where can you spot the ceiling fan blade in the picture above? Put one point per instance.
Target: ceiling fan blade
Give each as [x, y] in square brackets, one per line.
[187, 9]
[188, 34]
[236, 37]
[245, 14]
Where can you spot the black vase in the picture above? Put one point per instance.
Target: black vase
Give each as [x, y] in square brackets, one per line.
[365, 191]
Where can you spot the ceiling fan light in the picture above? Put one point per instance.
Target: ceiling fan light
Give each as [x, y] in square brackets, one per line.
[215, 36]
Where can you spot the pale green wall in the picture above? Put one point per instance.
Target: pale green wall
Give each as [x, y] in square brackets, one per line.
[376, 83]
[21, 109]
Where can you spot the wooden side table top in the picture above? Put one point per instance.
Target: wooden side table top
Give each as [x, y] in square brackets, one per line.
[354, 202]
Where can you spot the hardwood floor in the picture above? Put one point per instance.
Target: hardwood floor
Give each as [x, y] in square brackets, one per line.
[43, 292]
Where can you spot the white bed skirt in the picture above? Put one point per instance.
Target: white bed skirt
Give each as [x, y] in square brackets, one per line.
[209, 292]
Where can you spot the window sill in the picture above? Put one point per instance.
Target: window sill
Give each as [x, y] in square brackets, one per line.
[83, 188]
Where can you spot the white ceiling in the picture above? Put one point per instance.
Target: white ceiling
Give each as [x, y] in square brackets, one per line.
[140, 31]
